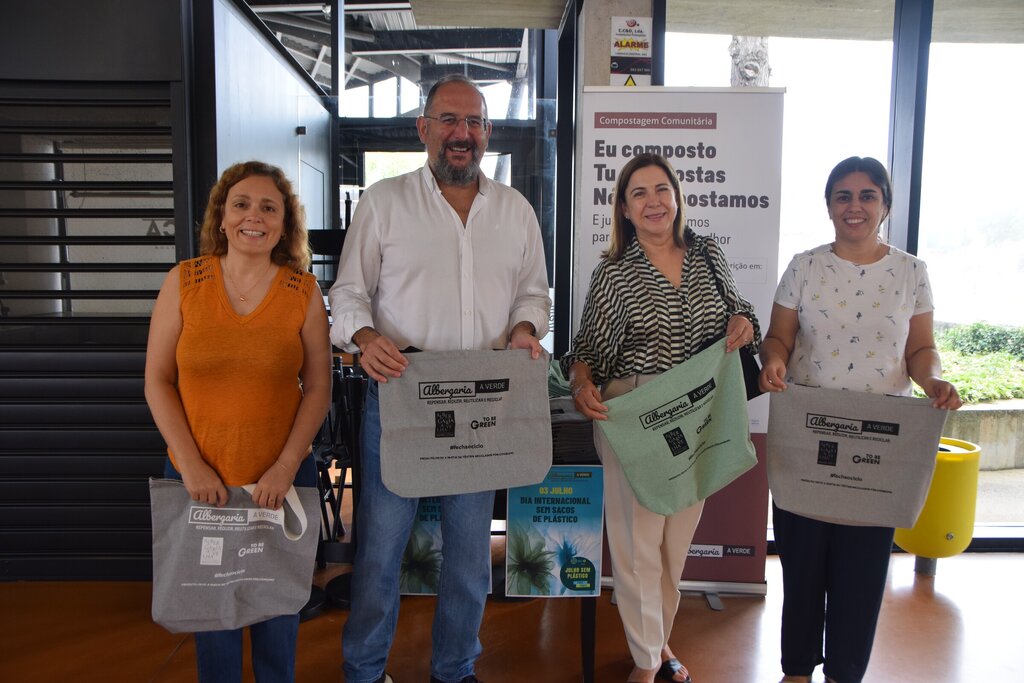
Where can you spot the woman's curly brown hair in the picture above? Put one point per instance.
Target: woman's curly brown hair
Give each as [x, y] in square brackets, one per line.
[292, 251]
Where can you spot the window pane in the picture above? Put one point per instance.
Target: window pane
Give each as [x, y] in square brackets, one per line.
[498, 96]
[827, 118]
[972, 237]
[355, 102]
[381, 165]
[971, 212]
[410, 98]
[385, 98]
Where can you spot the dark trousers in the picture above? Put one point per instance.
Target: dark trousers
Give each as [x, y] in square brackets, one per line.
[833, 579]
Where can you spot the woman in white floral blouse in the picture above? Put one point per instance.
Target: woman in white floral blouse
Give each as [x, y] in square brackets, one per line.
[854, 314]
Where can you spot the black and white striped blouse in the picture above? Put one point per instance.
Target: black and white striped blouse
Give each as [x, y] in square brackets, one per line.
[636, 322]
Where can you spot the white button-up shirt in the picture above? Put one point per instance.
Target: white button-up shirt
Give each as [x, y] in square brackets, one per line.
[413, 272]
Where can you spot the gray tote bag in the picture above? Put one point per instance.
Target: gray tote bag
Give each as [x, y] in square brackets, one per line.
[228, 567]
[465, 421]
[850, 457]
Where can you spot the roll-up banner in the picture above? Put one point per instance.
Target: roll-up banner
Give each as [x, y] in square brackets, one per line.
[726, 147]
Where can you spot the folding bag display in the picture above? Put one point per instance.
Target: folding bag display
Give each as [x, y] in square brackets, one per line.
[850, 457]
[683, 436]
[465, 421]
[228, 567]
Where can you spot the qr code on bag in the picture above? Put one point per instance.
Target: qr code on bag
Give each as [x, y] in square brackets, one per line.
[212, 552]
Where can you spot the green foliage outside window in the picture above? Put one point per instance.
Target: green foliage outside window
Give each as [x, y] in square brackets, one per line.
[982, 338]
[985, 362]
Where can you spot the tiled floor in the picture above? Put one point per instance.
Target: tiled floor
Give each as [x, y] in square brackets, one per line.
[962, 626]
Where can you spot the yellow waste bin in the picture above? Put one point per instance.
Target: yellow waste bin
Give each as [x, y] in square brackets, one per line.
[946, 524]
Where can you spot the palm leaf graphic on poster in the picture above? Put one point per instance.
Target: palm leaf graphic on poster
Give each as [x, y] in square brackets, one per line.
[529, 563]
[566, 551]
[421, 564]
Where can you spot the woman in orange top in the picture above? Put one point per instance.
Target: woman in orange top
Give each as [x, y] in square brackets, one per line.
[238, 375]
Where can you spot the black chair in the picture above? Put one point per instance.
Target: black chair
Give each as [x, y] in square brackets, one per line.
[348, 399]
[337, 446]
[330, 450]
[326, 246]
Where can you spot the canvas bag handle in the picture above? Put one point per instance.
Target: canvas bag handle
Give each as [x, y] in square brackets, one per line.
[291, 500]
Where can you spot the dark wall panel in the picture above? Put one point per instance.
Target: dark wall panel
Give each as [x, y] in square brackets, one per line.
[91, 40]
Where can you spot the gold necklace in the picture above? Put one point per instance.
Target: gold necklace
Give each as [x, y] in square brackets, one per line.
[241, 294]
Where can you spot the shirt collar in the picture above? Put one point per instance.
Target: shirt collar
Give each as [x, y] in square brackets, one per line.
[634, 252]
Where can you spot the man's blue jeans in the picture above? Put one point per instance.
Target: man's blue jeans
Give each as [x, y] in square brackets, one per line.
[219, 653]
[384, 522]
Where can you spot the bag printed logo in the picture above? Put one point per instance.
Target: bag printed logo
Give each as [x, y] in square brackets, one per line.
[212, 551]
[666, 412]
[253, 549]
[828, 423]
[452, 390]
[676, 441]
[845, 425]
[444, 424]
[828, 453]
[429, 390]
[483, 422]
[218, 516]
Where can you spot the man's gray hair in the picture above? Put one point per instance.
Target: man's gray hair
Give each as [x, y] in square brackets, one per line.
[452, 78]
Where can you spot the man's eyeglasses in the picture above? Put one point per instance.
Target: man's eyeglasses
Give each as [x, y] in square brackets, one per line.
[451, 121]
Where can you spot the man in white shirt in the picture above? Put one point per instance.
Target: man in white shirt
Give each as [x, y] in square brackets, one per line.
[439, 259]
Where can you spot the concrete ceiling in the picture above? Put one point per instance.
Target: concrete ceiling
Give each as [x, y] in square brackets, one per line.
[954, 21]
[490, 13]
[988, 21]
[385, 38]
[421, 39]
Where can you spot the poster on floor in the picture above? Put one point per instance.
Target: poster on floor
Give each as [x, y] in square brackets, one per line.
[554, 535]
[421, 561]
[725, 145]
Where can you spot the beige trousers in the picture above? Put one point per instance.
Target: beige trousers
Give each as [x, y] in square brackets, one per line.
[648, 551]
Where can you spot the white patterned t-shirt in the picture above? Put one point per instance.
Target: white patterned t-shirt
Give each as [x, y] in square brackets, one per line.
[854, 320]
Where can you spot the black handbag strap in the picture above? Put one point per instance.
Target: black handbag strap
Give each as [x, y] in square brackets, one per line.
[751, 368]
[714, 272]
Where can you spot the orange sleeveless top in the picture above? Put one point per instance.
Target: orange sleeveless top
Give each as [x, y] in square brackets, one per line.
[238, 376]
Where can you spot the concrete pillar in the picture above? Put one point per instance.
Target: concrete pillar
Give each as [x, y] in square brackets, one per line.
[595, 47]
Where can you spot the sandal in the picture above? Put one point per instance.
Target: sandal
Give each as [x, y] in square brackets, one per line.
[671, 667]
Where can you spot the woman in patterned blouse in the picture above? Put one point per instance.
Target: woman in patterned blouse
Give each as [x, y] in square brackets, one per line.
[652, 304]
[855, 314]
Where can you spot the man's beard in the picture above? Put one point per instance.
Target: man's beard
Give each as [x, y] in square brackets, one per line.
[448, 174]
